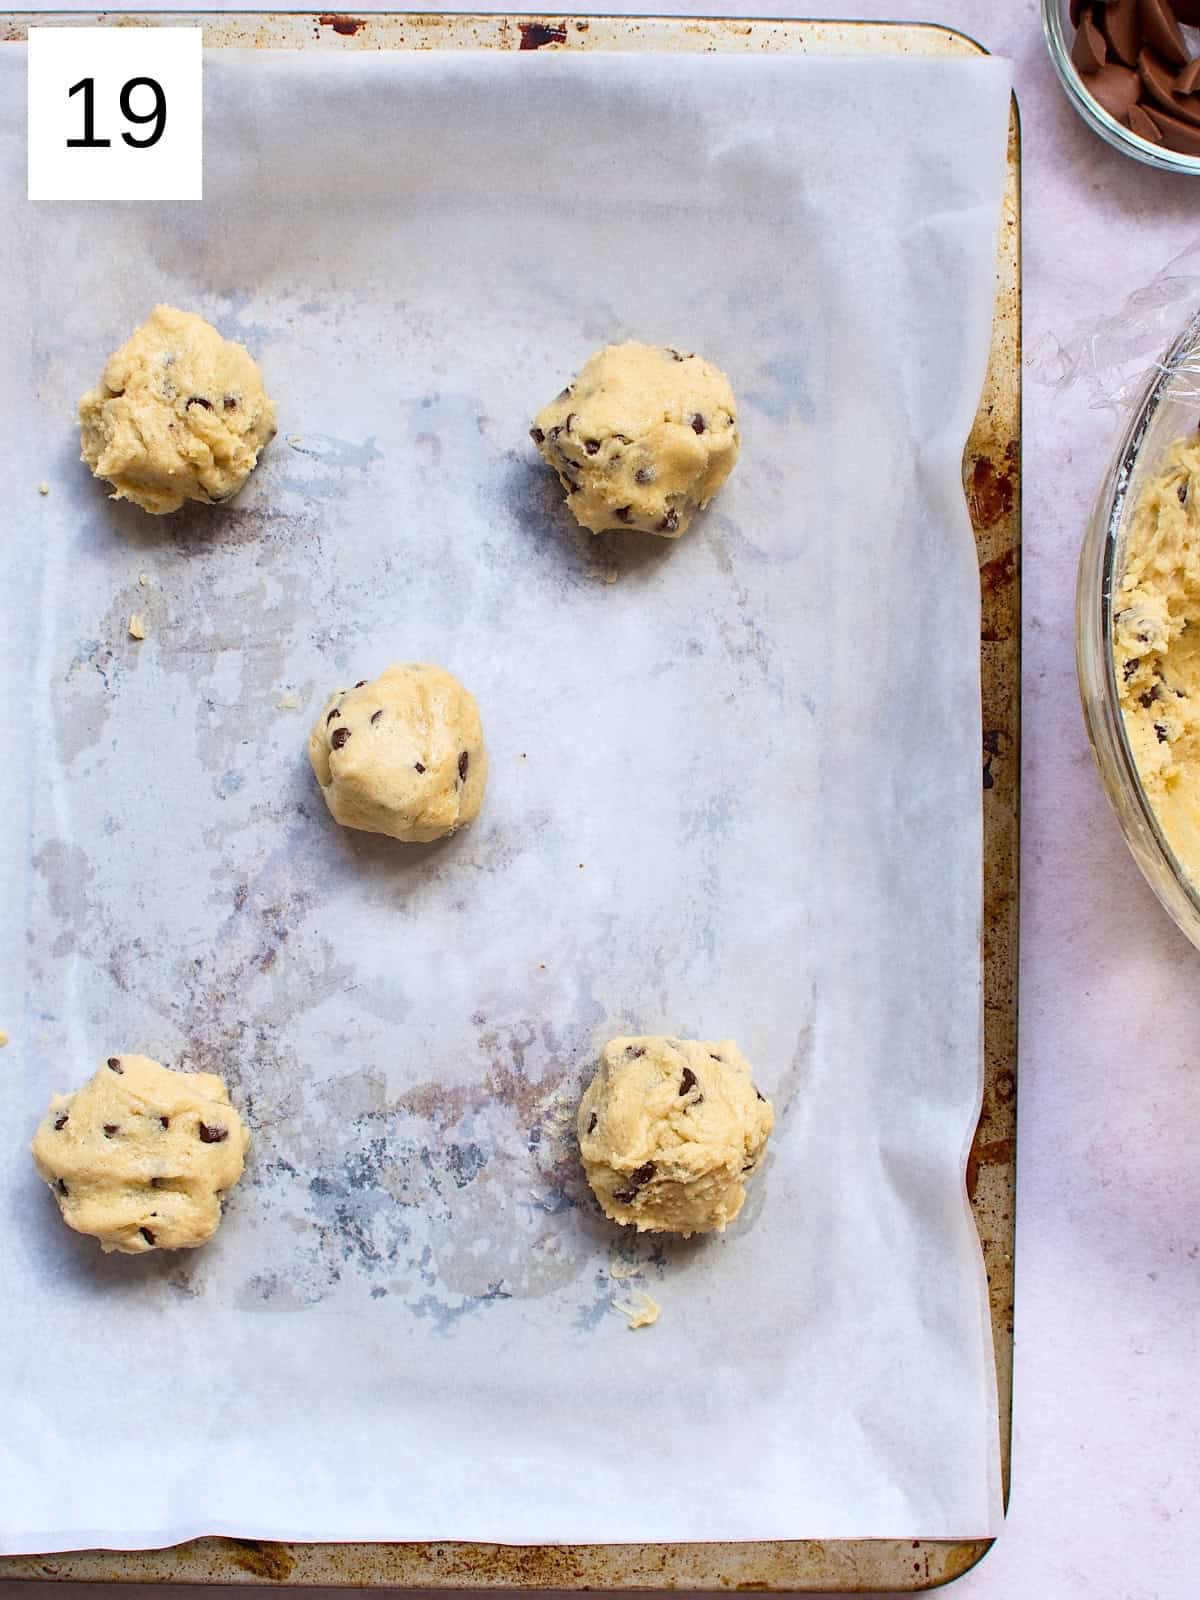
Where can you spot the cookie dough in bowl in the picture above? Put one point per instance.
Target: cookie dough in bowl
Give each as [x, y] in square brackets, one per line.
[670, 1130]
[402, 755]
[180, 413]
[141, 1155]
[1156, 647]
[643, 438]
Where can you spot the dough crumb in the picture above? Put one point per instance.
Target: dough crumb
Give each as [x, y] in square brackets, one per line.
[289, 702]
[639, 1310]
[137, 626]
[43, 487]
[3, 1038]
[143, 580]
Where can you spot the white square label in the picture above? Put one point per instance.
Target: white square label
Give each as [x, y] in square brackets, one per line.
[115, 114]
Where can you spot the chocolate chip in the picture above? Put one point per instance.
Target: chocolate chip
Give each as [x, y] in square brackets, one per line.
[592, 446]
[1182, 490]
[1161, 731]
[230, 402]
[361, 684]
[592, 1121]
[336, 712]
[688, 1081]
[760, 1094]
[750, 1166]
[419, 766]
[623, 513]
[166, 1121]
[677, 354]
[114, 1063]
[624, 1195]
[61, 1186]
[697, 423]
[1148, 699]
[570, 485]
[670, 522]
[566, 393]
[1130, 668]
[157, 1183]
[555, 431]
[633, 1051]
[212, 1135]
[199, 400]
[642, 1176]
[110, 1128]
[643, 475]
[61, 1121]
[713, 1056]
[537, 436]
[375, 715]
[147, 1235]
[340, 735]
[569, 421]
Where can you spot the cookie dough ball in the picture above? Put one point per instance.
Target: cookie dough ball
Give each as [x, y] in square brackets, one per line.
[643, 438]
[179, 414]
[669, 1130]
[140, 1156]
[403, 755]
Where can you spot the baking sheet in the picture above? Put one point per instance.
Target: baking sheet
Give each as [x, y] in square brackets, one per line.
[734, 791]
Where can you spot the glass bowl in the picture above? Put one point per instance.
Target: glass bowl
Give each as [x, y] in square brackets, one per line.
[1056, 24]
[1166, 412]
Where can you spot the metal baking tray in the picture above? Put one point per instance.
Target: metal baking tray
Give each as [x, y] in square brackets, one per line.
[992, 479]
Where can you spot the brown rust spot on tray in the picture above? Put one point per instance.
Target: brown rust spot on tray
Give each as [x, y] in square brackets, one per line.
[996, 1152]
[340, 23]
[536, 34]
[274, 1562]
[992, 491]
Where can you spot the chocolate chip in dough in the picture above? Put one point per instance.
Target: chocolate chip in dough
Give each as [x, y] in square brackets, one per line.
[61, 1121]
[340, 736]
[114, 1063]
[641, 1176]
[361, 684]
[230, 402]
[110, 1128]
[624, 513]
[669, 522]
[687, 1082]
[166, 1121]
[212, 1134]
[464, 761]
[418, 766]
[592, 446]
[199, 400]
[698, 423]
[375, 715]
[643, 475]
[592, 1121]
[759, 1094]
[336, 712]
[633, 1051]
[1161, 730]
[1130, 667]
[147, 1235]
[61, 1186]
[537, 436]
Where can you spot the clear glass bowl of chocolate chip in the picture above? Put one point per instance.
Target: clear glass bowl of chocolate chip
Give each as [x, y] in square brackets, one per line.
[1131, 68]
[1165, 843]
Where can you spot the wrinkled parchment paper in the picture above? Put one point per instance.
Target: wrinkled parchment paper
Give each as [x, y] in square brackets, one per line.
[735, 791]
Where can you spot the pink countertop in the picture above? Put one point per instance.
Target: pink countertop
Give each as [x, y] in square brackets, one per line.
[1106, 1463]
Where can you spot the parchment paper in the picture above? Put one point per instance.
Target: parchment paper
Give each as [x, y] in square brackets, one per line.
[735, 791]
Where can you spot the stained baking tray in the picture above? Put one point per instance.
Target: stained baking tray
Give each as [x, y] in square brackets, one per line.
[992, 480]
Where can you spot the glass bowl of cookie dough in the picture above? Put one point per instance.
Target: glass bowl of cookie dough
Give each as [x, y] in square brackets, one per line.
[1137, 632]
[1131, 69]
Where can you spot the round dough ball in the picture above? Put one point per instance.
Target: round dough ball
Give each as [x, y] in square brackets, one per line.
[643, 438]
[140, 1156]
[669, 1130]
[179, 414]
[403, 755]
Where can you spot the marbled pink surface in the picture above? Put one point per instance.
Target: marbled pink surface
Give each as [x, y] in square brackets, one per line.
[1106, 1465]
